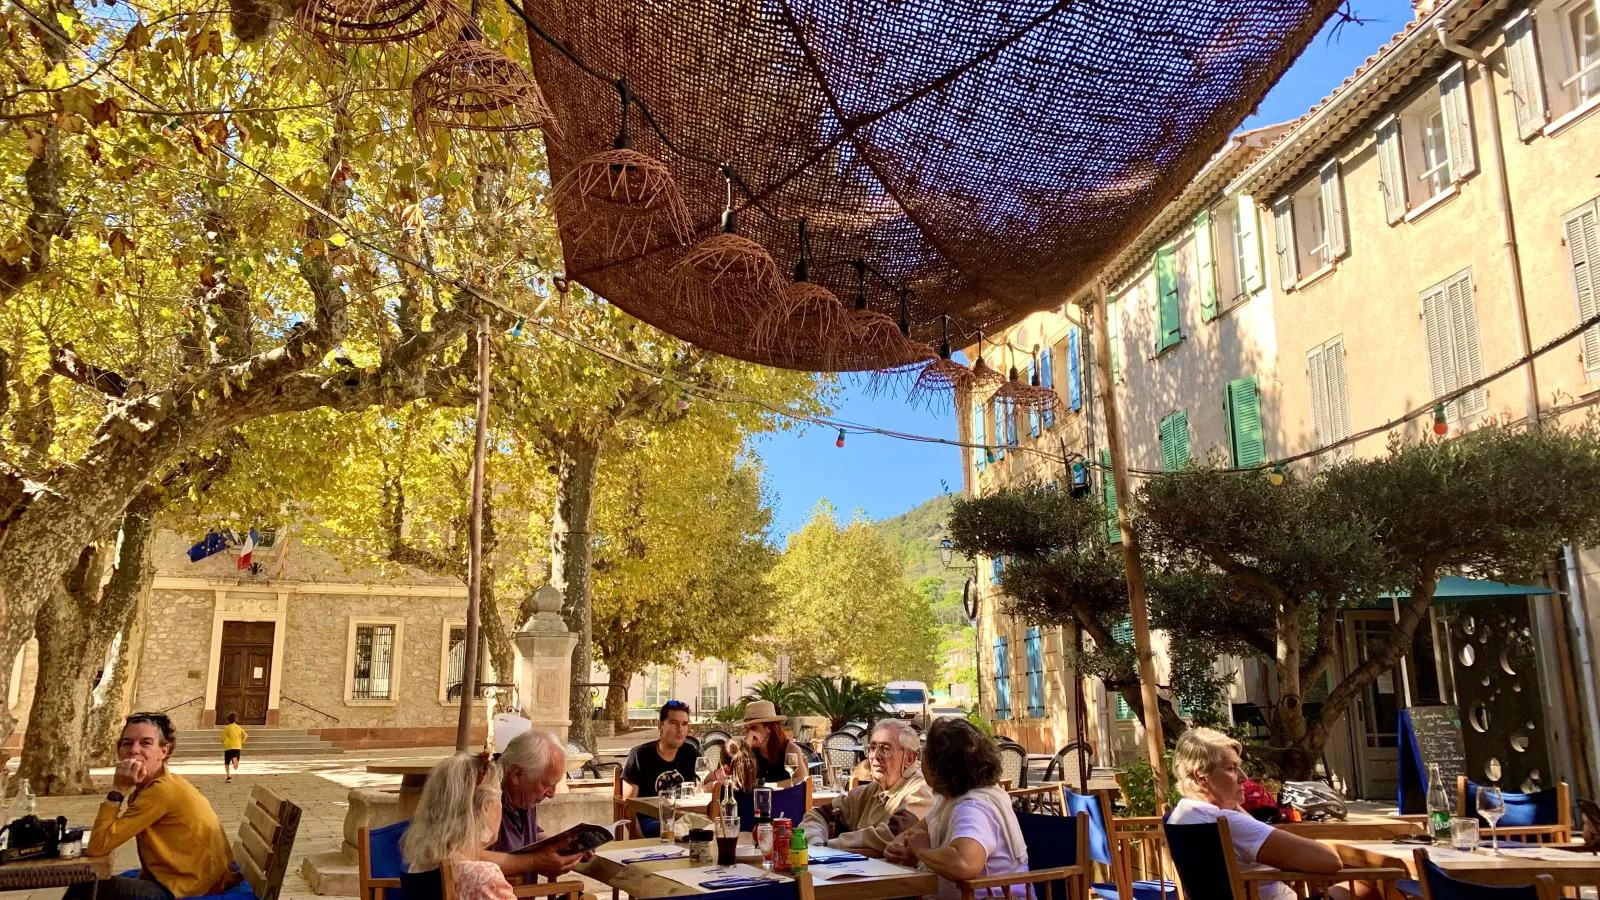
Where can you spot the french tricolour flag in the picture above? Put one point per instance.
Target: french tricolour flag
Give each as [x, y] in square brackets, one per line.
[246, 548]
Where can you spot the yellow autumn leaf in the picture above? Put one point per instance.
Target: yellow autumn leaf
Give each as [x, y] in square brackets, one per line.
[58, 78]
[339, 239]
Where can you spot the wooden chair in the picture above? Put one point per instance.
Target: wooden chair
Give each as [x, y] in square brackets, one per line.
[440, 884]
[1542, 817]
[1058, 855]
[1041, 798]
[1208, 870]
[378, 861]
[266, 837]
[619, 806]
[1140, 866]
[793, 801]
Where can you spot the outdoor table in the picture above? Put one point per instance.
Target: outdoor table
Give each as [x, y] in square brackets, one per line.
[1516, 866]
[414, 774]
[1369, 828]
[36, 874]
[639, 879]
[699, 802]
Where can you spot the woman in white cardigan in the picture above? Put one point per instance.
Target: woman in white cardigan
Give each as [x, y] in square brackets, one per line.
[972, 831]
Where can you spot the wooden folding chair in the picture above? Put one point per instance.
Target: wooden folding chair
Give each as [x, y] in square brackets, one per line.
[266, 837]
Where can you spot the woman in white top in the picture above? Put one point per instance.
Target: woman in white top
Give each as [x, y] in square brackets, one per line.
[1211, 781]
[972, 830]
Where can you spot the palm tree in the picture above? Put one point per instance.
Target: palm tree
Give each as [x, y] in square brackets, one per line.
[842, 699]
[785, 695]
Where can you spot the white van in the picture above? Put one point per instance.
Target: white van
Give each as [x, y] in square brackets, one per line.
[908, 700]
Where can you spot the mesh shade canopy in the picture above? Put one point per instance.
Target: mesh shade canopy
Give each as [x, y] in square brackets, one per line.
[989, 155]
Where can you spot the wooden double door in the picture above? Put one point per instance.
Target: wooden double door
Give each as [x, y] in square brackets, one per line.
[244, 672]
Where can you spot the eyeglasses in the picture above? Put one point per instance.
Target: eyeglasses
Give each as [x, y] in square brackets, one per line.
[882, 749]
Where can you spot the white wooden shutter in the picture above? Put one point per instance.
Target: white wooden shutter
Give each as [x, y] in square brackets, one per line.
[1436, 320]
[1335, 223]
[1317, 368]
[1391, 169]
[1250, 274]
[1283, 227]
[1338, 394]
[1468, 349]
[1583, 244]
[1527, 81]
[1453, 102]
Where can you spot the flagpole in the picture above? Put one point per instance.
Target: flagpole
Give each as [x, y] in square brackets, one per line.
[469, 662]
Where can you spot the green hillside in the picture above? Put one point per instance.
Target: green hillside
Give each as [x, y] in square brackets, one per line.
[916, 533]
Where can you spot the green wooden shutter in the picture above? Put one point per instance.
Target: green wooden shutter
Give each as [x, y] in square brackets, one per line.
[1108, 496]
[1244, 423]
[1205, 253]
[1175, 441]
[1167, 297]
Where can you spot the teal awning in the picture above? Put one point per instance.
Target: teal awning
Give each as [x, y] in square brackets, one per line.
[1455, 589]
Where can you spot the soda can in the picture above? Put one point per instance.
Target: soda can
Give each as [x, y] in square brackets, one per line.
[782, 830]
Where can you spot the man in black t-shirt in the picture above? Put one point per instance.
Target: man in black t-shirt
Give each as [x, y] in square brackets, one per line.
[668, 753]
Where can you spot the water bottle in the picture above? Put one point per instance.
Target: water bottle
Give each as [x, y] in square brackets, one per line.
[1440, 807]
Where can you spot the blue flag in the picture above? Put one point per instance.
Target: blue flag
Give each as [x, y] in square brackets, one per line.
[213, 543]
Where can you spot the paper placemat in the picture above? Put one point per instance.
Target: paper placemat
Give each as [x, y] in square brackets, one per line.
[698, 875]
[642, 854]
[822, 854]
[849, 871]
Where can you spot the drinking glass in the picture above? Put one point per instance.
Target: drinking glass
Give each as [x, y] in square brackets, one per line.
[727, 840]
[816, 785]
[1464, 834]
[841, 779]
[1491, 806]
[702, 770]
[668, 802]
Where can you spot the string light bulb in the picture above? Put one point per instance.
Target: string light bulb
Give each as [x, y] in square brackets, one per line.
[1275, 475]
[840, 441]
[516, 330]
[683, 401]
[1440, 426]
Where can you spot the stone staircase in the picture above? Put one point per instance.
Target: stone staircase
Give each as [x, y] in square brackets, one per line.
[206, 743]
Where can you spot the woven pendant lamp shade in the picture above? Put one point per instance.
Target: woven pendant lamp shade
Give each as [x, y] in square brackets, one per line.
[726, 278]
[619, 203]
[375, 21]
[1026, 397]
[475, 87]
[808, 314]
[984, 377]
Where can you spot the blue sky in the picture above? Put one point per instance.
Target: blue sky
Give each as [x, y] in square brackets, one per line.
[886, 476]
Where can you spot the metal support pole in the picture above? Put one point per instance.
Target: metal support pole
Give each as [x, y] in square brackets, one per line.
[1138, 608]
[469, 672]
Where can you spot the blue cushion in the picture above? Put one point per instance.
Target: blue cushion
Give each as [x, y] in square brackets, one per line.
[1099, 843]
[790, 801]
[1522, 810]
[1444, 887]
[1142, 890]
[1410, 887]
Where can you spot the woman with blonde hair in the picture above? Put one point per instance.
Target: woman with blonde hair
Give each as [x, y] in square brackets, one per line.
[457, 816]
[1211, 780]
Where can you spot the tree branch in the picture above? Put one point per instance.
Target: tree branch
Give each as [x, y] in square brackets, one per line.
[65, 361]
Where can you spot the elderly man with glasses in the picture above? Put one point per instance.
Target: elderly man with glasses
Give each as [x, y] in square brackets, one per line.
[868, 818]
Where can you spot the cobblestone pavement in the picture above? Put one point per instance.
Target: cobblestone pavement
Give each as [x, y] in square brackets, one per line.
[318, 786]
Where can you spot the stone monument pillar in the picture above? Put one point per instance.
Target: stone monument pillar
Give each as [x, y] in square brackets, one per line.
[545, 646]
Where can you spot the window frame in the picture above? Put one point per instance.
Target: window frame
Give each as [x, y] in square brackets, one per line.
[1002, 678]
[1571, 52]
[1464, 411]
[485, 665]
[395, 655]
[1316, 356]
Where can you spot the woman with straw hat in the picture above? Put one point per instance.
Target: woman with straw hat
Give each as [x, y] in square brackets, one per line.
[779, 760]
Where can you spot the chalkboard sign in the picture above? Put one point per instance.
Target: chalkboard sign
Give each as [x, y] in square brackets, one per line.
[1429, 736]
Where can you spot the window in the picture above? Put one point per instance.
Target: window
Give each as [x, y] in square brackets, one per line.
[1206, 262]
[1002, 680]
[1169, 330]
[1427, 147]
[1000, 429]
[1011, 423]
[1175, 441]
[1074, 371]
[1034, 644]
[657, 686]
[979, 420]
[1236, 237]
[1047, 379]
[1330, 398]
[1245, 438]
[1122, 634]
[997, 567]
[456, 659]
[1108, 498]
[1033, 414]
[1311, 229]
[1553, 54]
[1450, 315]
[372, 673]
[1583, 244]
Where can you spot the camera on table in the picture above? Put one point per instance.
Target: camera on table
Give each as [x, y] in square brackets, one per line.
[31, 837]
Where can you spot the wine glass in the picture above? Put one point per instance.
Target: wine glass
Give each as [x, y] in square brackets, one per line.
[702, 770]
[1491, 806]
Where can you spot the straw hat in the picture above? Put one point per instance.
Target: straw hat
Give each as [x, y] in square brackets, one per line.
[758, 711]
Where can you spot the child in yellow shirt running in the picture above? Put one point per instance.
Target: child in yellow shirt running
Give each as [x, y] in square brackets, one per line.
[232, 744]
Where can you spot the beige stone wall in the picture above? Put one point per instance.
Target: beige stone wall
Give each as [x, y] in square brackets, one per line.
[175, 655]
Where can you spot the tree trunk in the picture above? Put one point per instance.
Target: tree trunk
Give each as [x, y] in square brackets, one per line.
[617, 701]
[54, 758]
[577, 467]
[1290, 727]
[120, 627]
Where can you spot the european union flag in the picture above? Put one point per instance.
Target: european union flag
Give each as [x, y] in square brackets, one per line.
[214, 542]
